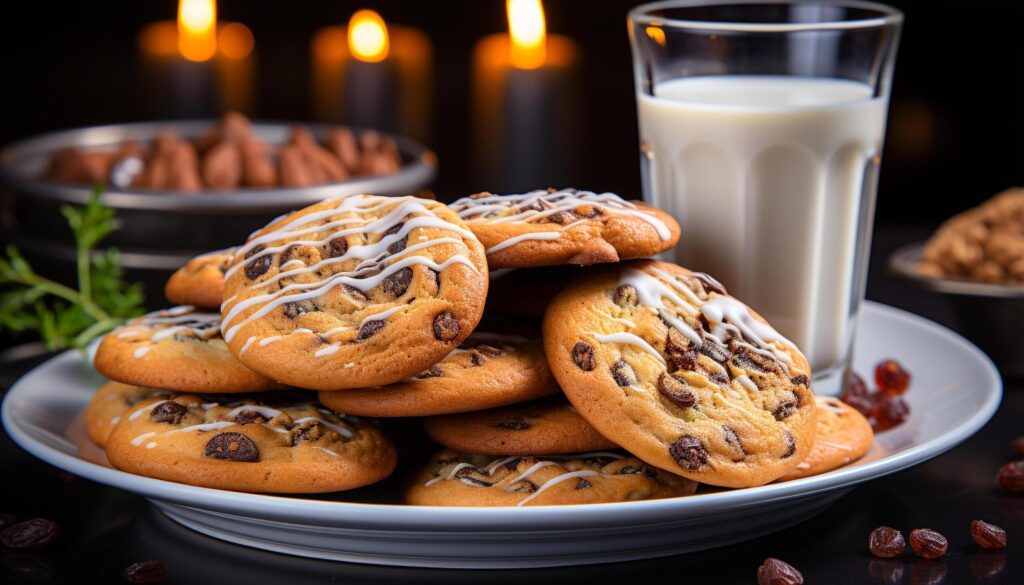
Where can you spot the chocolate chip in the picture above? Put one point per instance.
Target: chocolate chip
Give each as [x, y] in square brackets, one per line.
[680, 356]
[583, 356]
[562, 217]
[475, 481]
[169, 412]
[394, 229]
[434, 372]
[746, 359]
[476, 359]
[582, 484]
[625, 296]
[675, 389]
[790, 445]
[514, 424]
[513, 464]
[689, 453]
[294, 309]
[488, 350]
[232, 447]
[446, 327]
[397, 283]
[713, 349]
[733, 440]
[144, 572]
[785, 409]
[623, 374]
[258, 267]
[800, 380]
[369, 329]
[710, 284]
[310, 430]
[337, 247]
[354, 292]
[286, 255]
[522, 487]
[248, 417]
[34, 534]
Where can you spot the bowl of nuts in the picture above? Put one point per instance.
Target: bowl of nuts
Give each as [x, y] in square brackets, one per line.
[976, 261]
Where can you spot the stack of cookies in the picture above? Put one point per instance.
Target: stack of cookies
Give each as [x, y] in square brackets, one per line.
[549, 359]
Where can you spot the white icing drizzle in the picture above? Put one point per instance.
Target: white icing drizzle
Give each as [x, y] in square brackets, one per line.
[151, 444]
[248, 342]
[631, 339]
[204, 427]
[209, 405]
[138, 440]
[328, 451]
[746, 382]
[488, 209]
[144, 410]
[451, 474]
[264, 411]
[556, 480]
[727, 314]
[115, 420]
[141, 351]
[330, 349]
[534, 467]
[650, 292]
[522, 238]
[340, 430]
[834, 445]
[490, 469]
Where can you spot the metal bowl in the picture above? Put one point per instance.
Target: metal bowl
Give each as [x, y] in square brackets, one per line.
[161, 230]
[990, 315]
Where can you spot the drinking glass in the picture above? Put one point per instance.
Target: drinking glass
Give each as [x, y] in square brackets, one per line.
[761, 131]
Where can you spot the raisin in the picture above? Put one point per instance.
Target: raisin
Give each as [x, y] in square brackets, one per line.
[286, 256]
[710, 284]
[886, 542]
[397, 283]
[800, 380]
[399, 244]
[582, 484]
[562, 217]
[790, 445]
[747, 360]
[733, 440]
[583, 356]
[337, 247]
[927, 543]
[169, 412]
[309, 431]
[434, 372]
[369, 329]
[232, 447]
[34, 534]
[675, 389]
[247, 417]
[855, 386]
[625, 296]
[714, 350]
[446, 327]
[889, 411]
[514, 424]
[623, 374]
[891, 377]
[988, 535]
[1011, 477]
[785, 409]
[689, 453]
[680, 356]
[258, 267]
[776, 572]
[861, 404]
[354, 292]
[144, 572]
[294, 309]
[476, 359]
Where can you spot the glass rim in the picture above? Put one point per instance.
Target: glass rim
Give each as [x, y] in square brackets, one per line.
[887, 16]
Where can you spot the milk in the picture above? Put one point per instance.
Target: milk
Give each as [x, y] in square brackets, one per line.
[773, 181]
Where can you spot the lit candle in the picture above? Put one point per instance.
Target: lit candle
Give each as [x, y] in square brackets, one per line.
[525, 103]
[193, 67]
[373, 74]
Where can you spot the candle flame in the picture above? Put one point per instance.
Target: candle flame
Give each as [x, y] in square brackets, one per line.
[528, 30]
[368, 36]
[197, 29]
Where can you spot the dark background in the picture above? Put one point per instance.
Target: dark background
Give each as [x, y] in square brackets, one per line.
[955, 130]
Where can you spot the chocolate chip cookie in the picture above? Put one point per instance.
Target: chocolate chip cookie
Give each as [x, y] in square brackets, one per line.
[454, 479]
[110, 402]
[843, 436]
[484, 372]
[354, 292]
[275, 446]
[546, 427]
[176, 349]
[567, 226]
[200, 283]
[663, 362]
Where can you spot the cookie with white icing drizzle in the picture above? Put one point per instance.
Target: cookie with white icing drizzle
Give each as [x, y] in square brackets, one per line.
[279, 445]
[354, 292]
[665, 363]
[486, 371]
[546, 227]
[843, 436]
[176, 349]
[543, 427]
[454, 479]
[109, 404]
[200, 282]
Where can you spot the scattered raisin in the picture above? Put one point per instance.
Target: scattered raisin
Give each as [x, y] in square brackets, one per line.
[369, 329]
[258, 267]
[1011, 477]
[623, 374]
[34, 534]
[855, 386]
[397, 283]
[625, 296]
[891, 377]
[889, 411]
[689, 453]
[144, 572]
[927, 543]
[233, 447]
[169, 412]
[886, 542]
[675, 389]
[446, 327]
[988, 535]
[776, 572]
[583, 356]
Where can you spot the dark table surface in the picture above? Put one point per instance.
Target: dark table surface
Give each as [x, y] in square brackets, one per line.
[104, 529]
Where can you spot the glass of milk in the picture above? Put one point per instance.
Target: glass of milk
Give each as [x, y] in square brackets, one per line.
[761, 131]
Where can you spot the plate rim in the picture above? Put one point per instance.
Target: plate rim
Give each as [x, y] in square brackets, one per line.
[376, 517]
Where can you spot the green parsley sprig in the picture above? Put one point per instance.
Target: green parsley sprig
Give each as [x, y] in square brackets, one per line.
[62, 316]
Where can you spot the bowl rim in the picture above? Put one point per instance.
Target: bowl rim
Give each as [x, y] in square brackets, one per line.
[420, 170]
[903, 262]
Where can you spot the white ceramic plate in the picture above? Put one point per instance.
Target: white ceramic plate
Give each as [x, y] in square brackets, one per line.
[955, 391]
